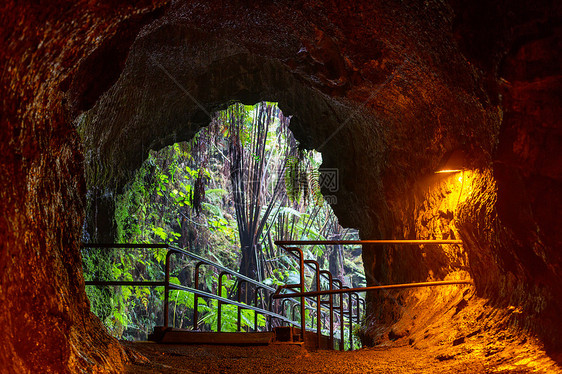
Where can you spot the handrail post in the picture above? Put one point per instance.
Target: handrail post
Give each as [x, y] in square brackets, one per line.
[239, 293]
[302, 287]
[356, 306]
[362, 301]
[350, 313]
[318, 301]
[167, 290]
[269, 318]
[219, 303]
[331, 305]
[340, 284]
[196, 298]
[256, 294]
[283, 309]
[293, 311]
[303, 306]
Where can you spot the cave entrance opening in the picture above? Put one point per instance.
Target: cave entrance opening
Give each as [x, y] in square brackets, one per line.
[240, 184]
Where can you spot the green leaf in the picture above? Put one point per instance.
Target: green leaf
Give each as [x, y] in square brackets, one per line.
[119, 317]
[160, 232]
[290, 211]
[116, 272]
[215, 191]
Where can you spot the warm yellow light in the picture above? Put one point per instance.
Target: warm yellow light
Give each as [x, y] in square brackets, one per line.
[460, 178]
[448, 171]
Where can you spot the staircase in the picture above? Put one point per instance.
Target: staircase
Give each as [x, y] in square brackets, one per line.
[279, 336]
[328, 310]
[291, 331]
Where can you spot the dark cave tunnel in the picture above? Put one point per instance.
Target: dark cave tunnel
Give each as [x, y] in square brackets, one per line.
[386, 90]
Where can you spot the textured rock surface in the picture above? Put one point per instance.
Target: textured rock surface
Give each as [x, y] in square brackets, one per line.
[289, 359]
[45, 318]
[383, 90]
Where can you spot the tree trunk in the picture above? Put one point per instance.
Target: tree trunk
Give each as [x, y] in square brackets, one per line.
[336, 262]
[248, 265]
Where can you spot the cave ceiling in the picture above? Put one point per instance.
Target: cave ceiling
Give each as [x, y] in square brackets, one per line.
[382, 94]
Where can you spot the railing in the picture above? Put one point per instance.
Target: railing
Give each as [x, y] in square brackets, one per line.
[324, 309]
[337, 309]
[168, 286]
[267, 309]
[291, 247]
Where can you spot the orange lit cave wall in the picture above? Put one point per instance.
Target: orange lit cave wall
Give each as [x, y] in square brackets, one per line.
[45, 318]
[508, 217]
[431, 210]
[516, 283]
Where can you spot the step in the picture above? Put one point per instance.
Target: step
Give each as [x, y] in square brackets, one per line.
[292, 335]
[280, 335]
[181, 336]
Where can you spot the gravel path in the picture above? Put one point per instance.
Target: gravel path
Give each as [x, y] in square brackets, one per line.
[162, 358]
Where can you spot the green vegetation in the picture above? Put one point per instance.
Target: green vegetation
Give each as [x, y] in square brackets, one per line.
[227, 195]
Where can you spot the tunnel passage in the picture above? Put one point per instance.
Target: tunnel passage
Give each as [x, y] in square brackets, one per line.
[173, 104]
[416, 80]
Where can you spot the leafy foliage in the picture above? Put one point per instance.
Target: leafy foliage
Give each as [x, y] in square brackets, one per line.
[228, 194]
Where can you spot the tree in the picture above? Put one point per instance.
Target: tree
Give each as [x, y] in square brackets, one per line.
[256, 168]
[228, 194]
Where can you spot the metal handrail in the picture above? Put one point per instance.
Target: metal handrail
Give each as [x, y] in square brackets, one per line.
[373, 288]
[126, 283]
[220, 267]
[123, 245]
[171, 286]
[382, 241]
[323, 273]
[287, 245]
[228, 301]
[227, 270]
[311, 296]
[298, 253]
[182, 251]
[171, 248]
[231, 272]
[284, 243]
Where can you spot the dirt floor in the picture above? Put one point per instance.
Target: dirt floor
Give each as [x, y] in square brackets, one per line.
[150, 357]
[460, 337]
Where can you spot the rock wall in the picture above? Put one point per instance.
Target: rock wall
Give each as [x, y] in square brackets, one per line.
[384, 91]
[45, 315]
[511, 250]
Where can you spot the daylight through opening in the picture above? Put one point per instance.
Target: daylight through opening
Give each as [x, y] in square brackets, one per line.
[228, 194]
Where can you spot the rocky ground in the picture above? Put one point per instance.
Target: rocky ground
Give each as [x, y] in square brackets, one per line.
[150, 357]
